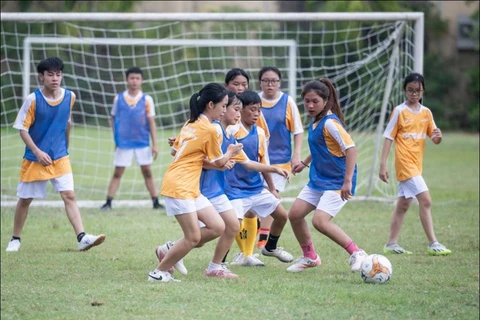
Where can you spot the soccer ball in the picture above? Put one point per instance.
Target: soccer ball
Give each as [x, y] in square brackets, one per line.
[376, 269]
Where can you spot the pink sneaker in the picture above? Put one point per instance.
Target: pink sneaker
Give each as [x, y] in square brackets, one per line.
[160, 255]
[220, 273]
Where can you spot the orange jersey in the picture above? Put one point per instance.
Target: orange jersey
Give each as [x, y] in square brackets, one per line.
[34, 171]
[409, 129]
[195, 142]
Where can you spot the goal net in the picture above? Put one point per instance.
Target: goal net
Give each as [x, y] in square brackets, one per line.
[366, 55]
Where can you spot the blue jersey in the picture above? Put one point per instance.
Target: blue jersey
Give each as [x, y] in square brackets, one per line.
[49, 130]
[131, 127]
[240, 182]
[279, 144]
[212, 181]
[327, 170]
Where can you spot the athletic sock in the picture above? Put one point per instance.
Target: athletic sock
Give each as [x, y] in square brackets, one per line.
[15, 238]
[263, 234]
[239, 238]
[272, 242]
[250, 225]
[351, 247]
[80, 236]
[109, 200]
[213, 266]
[309, 250]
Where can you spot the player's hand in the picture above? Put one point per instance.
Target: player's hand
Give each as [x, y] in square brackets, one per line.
[43, 158]
[171, 140]
[297, 168]
[228, 166]
[284, 173]
[235, 148]
[276, 194]
[437, 133]
[383, 174]
[154, 152]
[346, 191]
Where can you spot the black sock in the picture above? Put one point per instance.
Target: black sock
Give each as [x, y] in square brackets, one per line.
[262, 237]
[271, 242]
[225, 258]
[80, 236]
[15, 238]
[155, 200]
[109, 200]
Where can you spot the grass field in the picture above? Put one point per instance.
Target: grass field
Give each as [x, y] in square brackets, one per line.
[48, 279]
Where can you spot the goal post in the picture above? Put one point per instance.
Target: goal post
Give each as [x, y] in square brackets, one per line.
[366, 55]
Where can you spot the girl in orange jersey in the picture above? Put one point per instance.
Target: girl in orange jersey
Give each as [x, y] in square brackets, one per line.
[409, 125]
[198, 139]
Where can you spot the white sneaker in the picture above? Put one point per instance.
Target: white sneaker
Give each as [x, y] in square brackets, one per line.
[303, 263]
[179, 265]
[252, 261]
[13, 246]
[278, 253]
[89, 240]
[161, 276]
[356, 260]
[238, 259]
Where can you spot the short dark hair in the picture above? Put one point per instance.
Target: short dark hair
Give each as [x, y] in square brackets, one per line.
[133, 70]
[50, 64]
[269, 68]
[250, 97]
[234, 73]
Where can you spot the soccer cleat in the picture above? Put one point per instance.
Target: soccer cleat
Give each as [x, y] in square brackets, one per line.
[438, 249]
[252, 261]
[220, 273]
[179, 265]
[261, 244]
[13, 246]
[89, 240]
[278, 253]
[161, 276]
[238, 259]
[106, 206]
[356, 260]
[303, 263]
[394, 248]
[160, 255]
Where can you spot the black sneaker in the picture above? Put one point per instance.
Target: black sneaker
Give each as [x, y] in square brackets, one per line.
[157, 205]
[106, 206]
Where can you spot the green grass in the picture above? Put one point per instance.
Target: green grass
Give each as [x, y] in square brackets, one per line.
[48, 279]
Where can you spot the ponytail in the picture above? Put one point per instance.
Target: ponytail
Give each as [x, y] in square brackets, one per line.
[212, 92]
[332, 100]
[194, 110]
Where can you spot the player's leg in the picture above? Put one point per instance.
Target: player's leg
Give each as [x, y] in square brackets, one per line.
[329, 206]
[144, 159]
[214, 225]
[64, 185]
[398, 216]
[123, 159]
[26, 191]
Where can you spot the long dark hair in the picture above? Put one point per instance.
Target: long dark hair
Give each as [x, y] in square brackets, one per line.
[213, 92]
[325, 89]
[414, 77]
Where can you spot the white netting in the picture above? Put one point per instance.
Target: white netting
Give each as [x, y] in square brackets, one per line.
[367, 60]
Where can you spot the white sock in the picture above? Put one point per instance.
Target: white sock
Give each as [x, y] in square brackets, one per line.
[213, 266]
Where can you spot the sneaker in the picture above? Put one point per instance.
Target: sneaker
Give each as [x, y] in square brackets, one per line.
[106, 206]
[356, 260]
[252, 261]
[179, 265]
[238, 259]
[13, 246]
[160, 255]
[161, 276]
[278, 253]
[89, 240]
[303, 263]
[434, 249]
[394, 248]
[261, 244]
[220, 273]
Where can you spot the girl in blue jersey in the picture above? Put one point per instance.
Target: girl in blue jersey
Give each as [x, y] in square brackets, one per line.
[333, 174]
[246, 190]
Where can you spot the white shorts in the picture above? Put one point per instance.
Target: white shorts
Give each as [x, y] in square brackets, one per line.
[175, 207]
[278, 180]
[411, 187]
[123, 157]
[327, 201]
[262, 204]
[221, 203]
[38, 189]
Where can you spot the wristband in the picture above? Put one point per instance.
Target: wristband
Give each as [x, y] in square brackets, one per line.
[306, 165]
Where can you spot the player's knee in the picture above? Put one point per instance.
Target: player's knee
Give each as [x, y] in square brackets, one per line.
[68, 196]
[147, 173]
[25, 202]
[218, 227]
[319, 224]
[193, 239]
